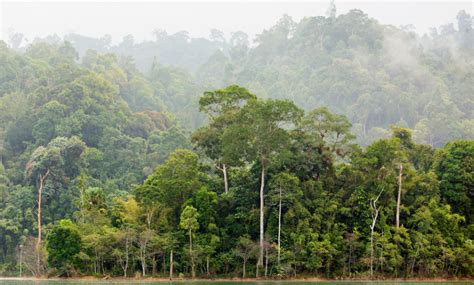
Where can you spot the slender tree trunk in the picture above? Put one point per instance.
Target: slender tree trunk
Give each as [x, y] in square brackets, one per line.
[375, 214]
[266, 261]
[171, 264]
[38, 242]
[149, 215]
[193, 271]
[257, 268]
[399, 196]
[262, 186]
[279, 228]
[125, 269]
[226, 183]
[243, 269]
[144, 240]
[371, 252]
[207, 265]
[42, 178]
[143, 266]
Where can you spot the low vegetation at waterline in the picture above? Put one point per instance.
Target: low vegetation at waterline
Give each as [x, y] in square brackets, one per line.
[269, 191]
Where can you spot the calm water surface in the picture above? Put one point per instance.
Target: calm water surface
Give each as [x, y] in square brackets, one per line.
[87, 282]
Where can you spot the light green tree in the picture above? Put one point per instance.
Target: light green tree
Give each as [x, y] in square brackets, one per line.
[189, 222]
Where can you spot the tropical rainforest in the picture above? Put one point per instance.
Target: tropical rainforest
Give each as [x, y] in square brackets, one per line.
[335, 147]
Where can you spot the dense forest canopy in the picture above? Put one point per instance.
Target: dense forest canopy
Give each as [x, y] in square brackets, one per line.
[335, 146]
[377, 75]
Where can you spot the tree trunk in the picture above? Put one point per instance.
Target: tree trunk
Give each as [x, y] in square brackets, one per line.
[266, 261]
[243, 269]
[149, 215]
[371, 252]
[399, 196]
[126, 255]
[207, 266]
[38, 242]
[143, 241]
[226, 183]
[193, 271]
[42, 178]
[171, 264]
[279, 229]
[374, 214]
[262, 186]
[143, 267]
[257, 268]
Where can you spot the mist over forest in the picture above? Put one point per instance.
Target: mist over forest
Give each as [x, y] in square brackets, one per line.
[129, 153]
[377, 75]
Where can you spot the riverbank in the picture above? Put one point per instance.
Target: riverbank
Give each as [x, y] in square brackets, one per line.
[302, 279]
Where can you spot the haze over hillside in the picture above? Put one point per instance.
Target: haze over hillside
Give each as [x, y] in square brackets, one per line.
[98, 18]
[375, 74]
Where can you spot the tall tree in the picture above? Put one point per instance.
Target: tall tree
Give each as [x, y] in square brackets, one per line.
[260, 134]
[283, 185]
[222, 107]
[58, 158]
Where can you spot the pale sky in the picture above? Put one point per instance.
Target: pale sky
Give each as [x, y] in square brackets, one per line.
[140, 18]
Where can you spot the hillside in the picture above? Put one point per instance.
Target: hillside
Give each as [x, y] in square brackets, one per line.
[377, 75]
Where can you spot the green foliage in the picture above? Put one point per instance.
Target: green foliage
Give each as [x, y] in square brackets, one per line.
[261, 130]
[63, 245]
[189, 219]
[125, 193]
[171, 184]
[454, 166]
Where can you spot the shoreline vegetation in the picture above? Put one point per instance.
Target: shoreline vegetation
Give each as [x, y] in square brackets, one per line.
[303, 199]
[235, 279]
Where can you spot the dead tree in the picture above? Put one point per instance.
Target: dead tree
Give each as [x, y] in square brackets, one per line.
[42, 179]
[374, 213]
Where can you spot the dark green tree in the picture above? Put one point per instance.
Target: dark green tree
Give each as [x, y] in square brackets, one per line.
[63, 245]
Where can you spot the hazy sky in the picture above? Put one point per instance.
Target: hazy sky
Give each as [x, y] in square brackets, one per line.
[119, 18]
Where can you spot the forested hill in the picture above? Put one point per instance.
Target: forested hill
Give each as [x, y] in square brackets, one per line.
[119, 114]
[377, 75]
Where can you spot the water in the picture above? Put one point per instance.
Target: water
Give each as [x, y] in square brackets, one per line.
[132, 282]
